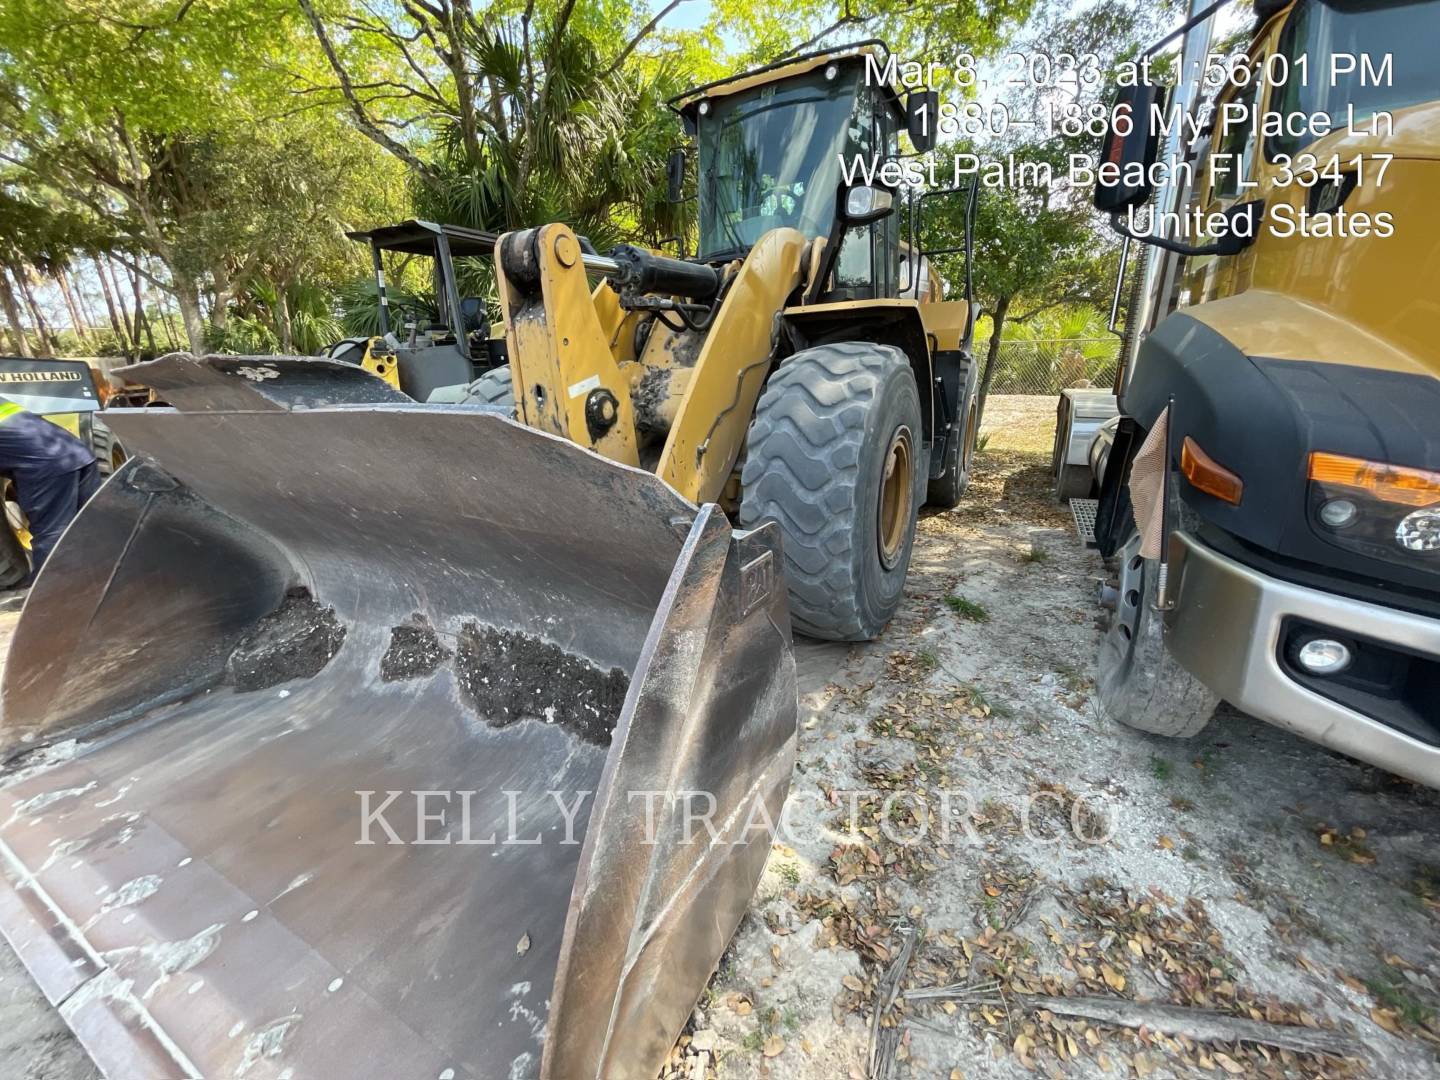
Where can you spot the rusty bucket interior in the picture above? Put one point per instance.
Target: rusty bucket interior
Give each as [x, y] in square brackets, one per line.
[270, 612]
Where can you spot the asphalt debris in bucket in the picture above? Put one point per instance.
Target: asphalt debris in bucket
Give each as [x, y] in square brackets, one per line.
[295, 641]
[508, 677]
[415, 651]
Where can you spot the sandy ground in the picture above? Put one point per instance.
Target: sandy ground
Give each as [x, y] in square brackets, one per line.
[1243, 871]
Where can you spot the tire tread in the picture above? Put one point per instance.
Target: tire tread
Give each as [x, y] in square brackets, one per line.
[802, 467]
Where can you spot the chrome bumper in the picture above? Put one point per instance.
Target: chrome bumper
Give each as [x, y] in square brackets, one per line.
[1225, 629]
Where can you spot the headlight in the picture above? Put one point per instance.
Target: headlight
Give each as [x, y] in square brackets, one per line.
[1420, 531]
[1385, 511]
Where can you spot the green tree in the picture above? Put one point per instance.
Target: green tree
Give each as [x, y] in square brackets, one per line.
[38, 234]
[508, 116]
[210, 173]
[1040, 247]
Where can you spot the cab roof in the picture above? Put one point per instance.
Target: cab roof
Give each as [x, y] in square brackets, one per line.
[416, 237]
[788, 68]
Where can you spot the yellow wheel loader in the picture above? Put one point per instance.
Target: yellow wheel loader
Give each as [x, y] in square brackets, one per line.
[398, 738]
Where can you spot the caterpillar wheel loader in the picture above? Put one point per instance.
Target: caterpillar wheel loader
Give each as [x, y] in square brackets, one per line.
[457, 728]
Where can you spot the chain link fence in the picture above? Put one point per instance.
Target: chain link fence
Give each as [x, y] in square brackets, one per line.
[1045, 367]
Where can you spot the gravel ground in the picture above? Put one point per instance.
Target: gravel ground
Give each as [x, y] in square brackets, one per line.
[1243, 871]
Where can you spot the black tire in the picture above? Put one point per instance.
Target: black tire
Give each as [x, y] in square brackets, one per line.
[493, 388]
[1139, 684]
[828, 423]
[1074, 482]
[109, 453]
[946, 490]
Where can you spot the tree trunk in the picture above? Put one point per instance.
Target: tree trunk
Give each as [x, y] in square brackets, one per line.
[162, 304]
[172, 336]
[285, 330]
[188, 297]
[119, 315]
[13, 316]
[77, 321]
[134, 325]
[992, 356]
[121, 339]
[141, 319]
[87, 311]
[224, 293]
[42, 330]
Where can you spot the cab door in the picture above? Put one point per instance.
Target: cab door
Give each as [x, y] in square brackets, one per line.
[1230, 175]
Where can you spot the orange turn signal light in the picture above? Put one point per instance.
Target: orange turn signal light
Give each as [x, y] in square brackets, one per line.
[1208, 475]
[1388, 483]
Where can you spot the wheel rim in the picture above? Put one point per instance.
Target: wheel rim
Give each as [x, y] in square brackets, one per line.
[1119, 644]
[897, 496]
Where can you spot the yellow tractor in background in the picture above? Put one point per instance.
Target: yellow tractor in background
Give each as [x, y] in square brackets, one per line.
[464, 708]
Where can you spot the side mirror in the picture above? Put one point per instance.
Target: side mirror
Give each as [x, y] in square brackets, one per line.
[922, 114]
[862, 205]
[1133, 139]
[675, 175]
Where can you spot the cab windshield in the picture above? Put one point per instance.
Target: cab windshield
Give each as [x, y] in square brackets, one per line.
[771, 158]
[1407, 33]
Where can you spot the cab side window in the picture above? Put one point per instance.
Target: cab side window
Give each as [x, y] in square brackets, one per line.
[1233, 155]
[855, 270]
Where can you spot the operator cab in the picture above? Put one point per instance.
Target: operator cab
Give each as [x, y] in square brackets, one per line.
[438, 335]
[770, 144]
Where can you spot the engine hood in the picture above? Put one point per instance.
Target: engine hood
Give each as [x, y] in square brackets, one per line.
[1261, 417]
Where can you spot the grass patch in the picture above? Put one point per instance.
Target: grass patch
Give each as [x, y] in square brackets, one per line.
[967, 609]
[1035, 555]
[1394, 995]
[1161, 767]
[992, 912]
[1074, 679]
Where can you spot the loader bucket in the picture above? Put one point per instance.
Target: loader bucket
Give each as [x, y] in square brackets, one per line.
[268, 613]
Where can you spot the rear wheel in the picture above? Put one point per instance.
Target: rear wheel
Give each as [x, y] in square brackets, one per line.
[109, 453]
[833, 457]
[946, 489]
[493, 388]
[1140, 684]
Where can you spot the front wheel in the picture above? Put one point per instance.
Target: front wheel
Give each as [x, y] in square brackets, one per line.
[1140, 684]
[834, 457]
